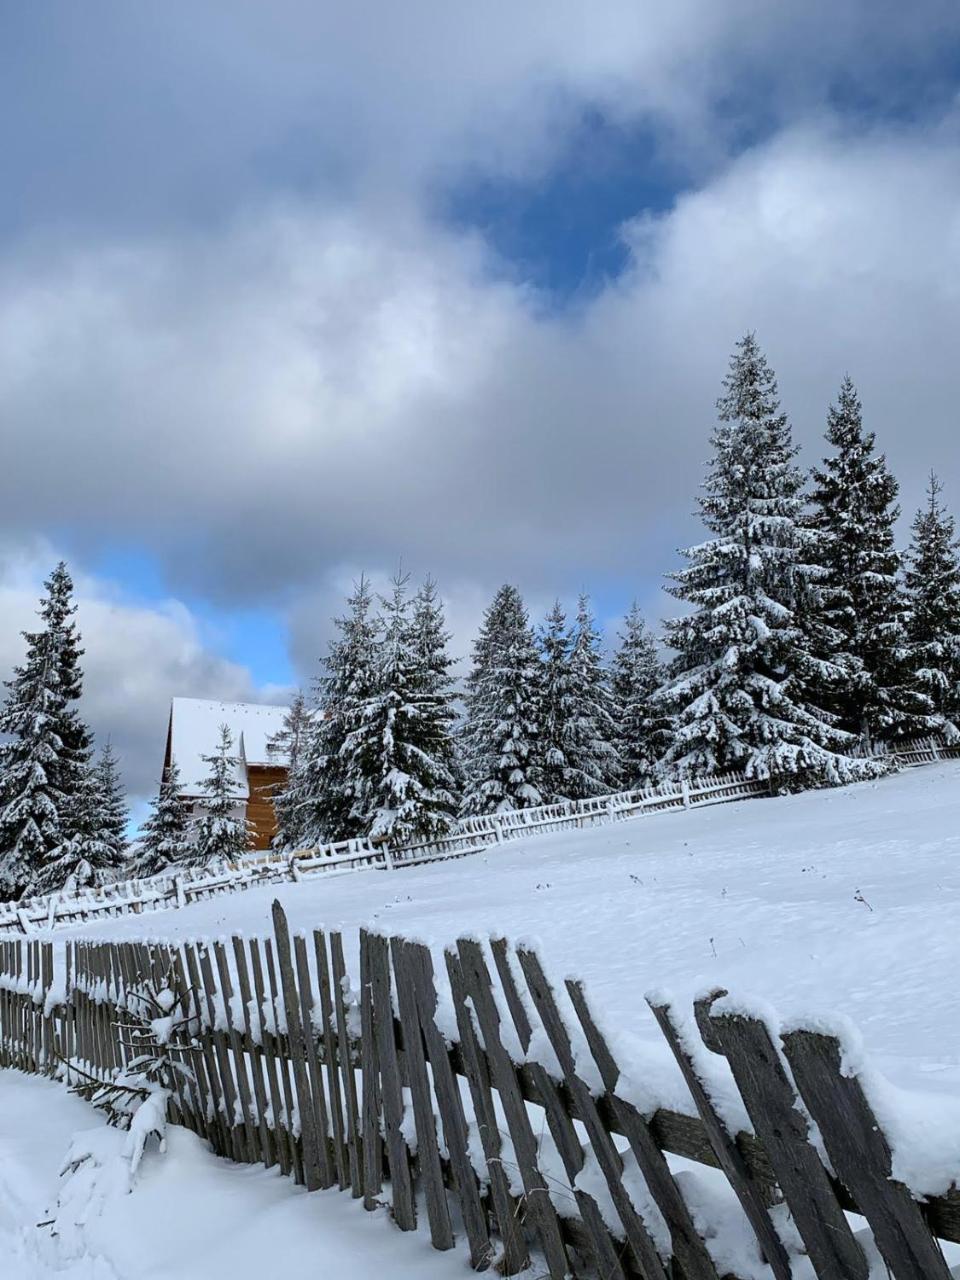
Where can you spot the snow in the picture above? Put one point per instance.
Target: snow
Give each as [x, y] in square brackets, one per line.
[189, 1215]
[195, 732]
[839, 901]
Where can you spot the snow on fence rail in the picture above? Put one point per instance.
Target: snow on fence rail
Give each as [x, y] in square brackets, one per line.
[168, 891]
[472, 1092]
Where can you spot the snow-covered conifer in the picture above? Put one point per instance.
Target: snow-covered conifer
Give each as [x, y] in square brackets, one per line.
[502, 733]
[592, 758]
[289, 745]
[933, 618]
[44, 762]
[732, 685]
[222, 830]
[555, 699]
[165, 839]
[88, 852]
[349, 677]
[114, 813]
[861, 615]
[404, 790]
[643, 731]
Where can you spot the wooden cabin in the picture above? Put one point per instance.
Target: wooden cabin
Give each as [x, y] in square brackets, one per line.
[193, 731]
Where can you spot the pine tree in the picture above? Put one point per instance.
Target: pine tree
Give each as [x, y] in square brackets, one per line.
[165, 839]
[555, 700]
[593, 762]
[114, 814]
[733, 683]
[643, 732]
[43, 766]
[437, 721]
[861, 616]
[404, 792]
[331, 808]
[89, 853]
[933, 619]
[289, 744]
[222, 831]
[502, 734]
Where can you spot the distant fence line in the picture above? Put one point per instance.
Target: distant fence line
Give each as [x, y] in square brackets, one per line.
[171, 890]
[477, 1095]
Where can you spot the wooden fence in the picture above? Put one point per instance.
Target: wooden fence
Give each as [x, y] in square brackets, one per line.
[477, 1099]
[169, 891]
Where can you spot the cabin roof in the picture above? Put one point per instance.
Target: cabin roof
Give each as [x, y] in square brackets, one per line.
[195, 731]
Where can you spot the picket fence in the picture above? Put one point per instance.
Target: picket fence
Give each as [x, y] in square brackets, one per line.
[472, 835]
[477, 1096]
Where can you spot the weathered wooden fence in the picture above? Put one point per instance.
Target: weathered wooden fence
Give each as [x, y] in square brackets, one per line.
[474, 1094]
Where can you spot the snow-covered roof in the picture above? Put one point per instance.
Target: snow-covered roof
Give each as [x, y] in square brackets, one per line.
[195, 733]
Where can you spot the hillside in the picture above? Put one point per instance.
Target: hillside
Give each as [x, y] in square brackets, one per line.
[844, 900]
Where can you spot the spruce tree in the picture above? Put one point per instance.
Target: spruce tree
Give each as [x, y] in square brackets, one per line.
[43, 766]
[732, 685]
[502, 734]
[165, 840]
[222, 831]
[404, 792]
[87, 855]
[643, 731]
[555, 703]
[114, 814]
[332, 810]
[593, 761]
[933, 618]
[438, 717]
[859, 623]
[289, 744]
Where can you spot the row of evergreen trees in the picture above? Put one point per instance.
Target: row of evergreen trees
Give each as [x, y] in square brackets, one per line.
[806, 644]
[63, 817]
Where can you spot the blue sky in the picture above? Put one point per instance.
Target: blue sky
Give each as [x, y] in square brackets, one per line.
[297, 291]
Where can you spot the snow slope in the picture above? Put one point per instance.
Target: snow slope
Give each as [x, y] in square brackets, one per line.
[191, 1215]
[845, 900]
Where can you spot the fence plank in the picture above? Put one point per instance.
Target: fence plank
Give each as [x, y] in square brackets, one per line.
[428, 1151]
[450, 1103]
[504, 1075]
[562, 1129]
[391, 1084]
[731, 1161]
[779, 1124]
[370, 1075]
[331, 1063]
[328, 1174]
[239, 1057]
[860, 1155]
[236, 1131]
[282, 1137]
[283, 1067]
[268, 1144]
[345, 1060]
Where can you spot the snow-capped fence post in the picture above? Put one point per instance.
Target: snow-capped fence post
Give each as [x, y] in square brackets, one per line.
[685, 792]
[387, 856]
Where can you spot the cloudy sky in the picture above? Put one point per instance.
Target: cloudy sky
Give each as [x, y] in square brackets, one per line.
[296, 290]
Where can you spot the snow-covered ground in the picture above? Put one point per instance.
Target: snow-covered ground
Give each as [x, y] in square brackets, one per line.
[845, 900]
[191, 1216]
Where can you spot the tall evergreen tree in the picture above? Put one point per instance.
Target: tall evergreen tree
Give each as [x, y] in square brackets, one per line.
[555, 705]
[435, 690]
[89, 853]
[289, 745]
[222, 831]
[332, 809]
[933, 618]
[643, 731]
[403, 791]
[502, 733]
[593, 761]
[114, 813]
[43, 766]
[739, 650]
[165, 839]
[860, 617]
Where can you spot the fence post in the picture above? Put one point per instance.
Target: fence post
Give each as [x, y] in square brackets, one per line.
[388, 856]
[685, 792]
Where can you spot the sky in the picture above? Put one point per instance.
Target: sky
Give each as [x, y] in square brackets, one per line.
[296, 291]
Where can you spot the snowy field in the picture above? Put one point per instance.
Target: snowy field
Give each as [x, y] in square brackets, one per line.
[192, 1217]
[845, 900]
